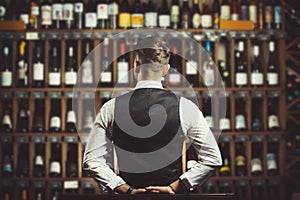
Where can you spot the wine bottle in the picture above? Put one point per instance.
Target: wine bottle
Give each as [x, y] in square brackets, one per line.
[175, 71]
[216, 14]
[273, 121]
[22, 67]
[113, 12]
[57, 14]
[70, 118]
[241, 189]
[225, 121]
[87, 78]
[257, 191]
[256, 160]
[185, 15]
[151, 15]
[207, 111]
[106, 79]
[38, 79]
[23, 116]
[72, 160]
[257, 78]
[39, 193]
[164, 18]
[6, 72]
[3, 10]
[234, 10]
[55, 116]
[206, 21]
[257, 124]
[208, 66]
[137, 16]
[240, 159]
[55, 160]
[225, 10]
[68, 14]
[7, 161]
[244, 10]
[23, 193]
[192, 66]
[123, 66]
[253, 12]
[272, 166]
[70, 72]
[39, 116]
[272, 70]
[102, 14]
[88, 120]
[34, 14]
[78, 14]
[46, 12]
[269, 13]
[225, 74]
[91, 15]
[54, 68]
[23, 13]
[241, 79]
[261, 14]
[6, 126]
[240, 114]
[125, 15]
[277, 14]
[39, 165]
[23, 161]
[175, 14]
[225, 170]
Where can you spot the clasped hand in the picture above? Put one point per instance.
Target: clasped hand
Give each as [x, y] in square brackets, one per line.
[154, 189]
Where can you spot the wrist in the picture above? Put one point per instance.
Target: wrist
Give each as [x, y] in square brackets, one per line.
[172, 189]
[129, 190]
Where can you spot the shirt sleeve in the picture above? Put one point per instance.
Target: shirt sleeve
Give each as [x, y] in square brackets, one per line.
[99, 149]
[201, 138]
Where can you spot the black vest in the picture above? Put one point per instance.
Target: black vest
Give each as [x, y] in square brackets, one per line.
[148, 137]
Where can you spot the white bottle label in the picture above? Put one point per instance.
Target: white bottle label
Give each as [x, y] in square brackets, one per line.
[6, 120]
[174, 78]
[256, 165]
[273, 121]
[206, 21]
[240, 122]
[70, 78]
[151, 19]
[106, 77]
[209, 121]
[90, 20]
[225, 124]
[196, 20]
[191, 67]
[175, 13]
[164, 21]
[209, 77]
[257, 78]
[241, 78]
[54, 78]
[272, 78]
[2, 11]
[55, 167]
[78, 8]
[22, 69]
[87, 72]
[123, 76]
[234, 16]
[113, 9]
[39, 160]
[57, 11]
[38, 71]
[24, 18]
[271, 161]
[71, 117]
[55, 122]
[6, 79]
[102, 11]
[46, 15]
[68, 11]
[35, 10]
[225, 12]
[253, 13]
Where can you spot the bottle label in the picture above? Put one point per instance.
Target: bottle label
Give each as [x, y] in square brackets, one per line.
[268, 14]
[175, 13]
[35, 10]
[241, 78]
[277, 14]
[38, 71]
[174, 78]
[124, 20]
[2, 11]
[113, 9]
[123, 72]
[70, 78]
[257, 78]
[240, 161]
[256, 165]
[164, 21]
[137, 20]
[55, 122]
[68, 11]
[191, 67]
[46, 15]
[196, 20]
[57, 11]
[244, 12]
[253, 13]
[6, 120]
[225, 12]
[7, 168]
[234, 16]
[271, 161]
[209, 77]
[90, 20]
[39, 160]
[106, 77]
[6, 79]
[71, 118]
[55, 167]
[102, 11]
[24, 18]
[272, 78]
[225, 124]
[151, 19]
[22, 69]
[209, 121]
[273, 121]
[87, 72]
[206, 21]
[240, 122]
[54, 78]
[78, 8]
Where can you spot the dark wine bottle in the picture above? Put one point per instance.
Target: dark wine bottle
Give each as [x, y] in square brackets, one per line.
[7, 162]
[225, 121]
[6, 71]
[55, 160]
[269, 14]
[209, 66]
[23, 116]
[192, 65]
[34, 14]
[216, 14]
[225, 74]
[113, 11]
[72, 160]
[24, 13]
[257, 122]
[256, 159]
[102, 14]
[225, 170]
[6, 125]
[71, 71]
[137, 16]
[54, 68]
[123, 66]
[70, 118]
[272, 155]
[244, 10]
[79, 14]
[273, 108]
[240, 159]
[257, 78]
[125, 15]
[57, 14]
[175, 71]
[38, 78]
[22, 67]
[241, 79]
[106, 79]
[23, 161]
[225, 10]
[235, 13]
[164, 17]
[151, 15]
[185, 15]
[39, 116]
[240, 114]
[175, 14]
[277, 14]
[206, 15]
[87, 78]
[91, 15]
[272, 70]
[39, 165]
[55, 116]
[207, 111]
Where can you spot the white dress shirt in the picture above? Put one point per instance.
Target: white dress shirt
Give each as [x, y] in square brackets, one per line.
[194, 127]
